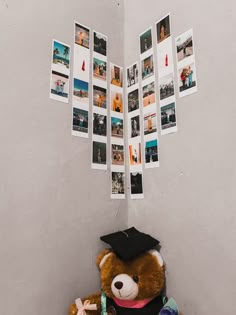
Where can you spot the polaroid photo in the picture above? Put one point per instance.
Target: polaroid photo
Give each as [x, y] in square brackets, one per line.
[117, 154]
[59, 87]
[187, 80]
[136, 185]
[151, 153]
[61, 57]
[146, 41]
[135, 153]
[117, 127]
[132, 75]
[99, 43]
[147, 67]
[99, 69]
[150, 122]
[99, 158]
[166, 86]
[184, 45]
[163, 29]
[80, 122]
[99, 97]
[116, 75]
[134, 126]
[168, 119]
[149, 96]
[133, 100]
[99, 125]
[81, 67]
[165, 57]
[116, 102]
[80, 92]
[117, 185]
[82, 35]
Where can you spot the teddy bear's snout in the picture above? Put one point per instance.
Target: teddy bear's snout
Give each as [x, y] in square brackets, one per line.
[124, 287]
[118, 285]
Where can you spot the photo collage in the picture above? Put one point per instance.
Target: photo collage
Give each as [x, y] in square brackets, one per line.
[99, 101]
[134, 131]
[166, 87]
[186, 69]
[60, 72]
[145, 87]
[149, 97]
[117, 126]
[80, 84]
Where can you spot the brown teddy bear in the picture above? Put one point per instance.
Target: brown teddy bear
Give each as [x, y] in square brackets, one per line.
[132, 278]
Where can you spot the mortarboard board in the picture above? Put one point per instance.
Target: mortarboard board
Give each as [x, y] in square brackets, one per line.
[129, 243]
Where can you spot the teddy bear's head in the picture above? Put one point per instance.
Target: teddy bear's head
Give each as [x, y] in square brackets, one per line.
[141, 278]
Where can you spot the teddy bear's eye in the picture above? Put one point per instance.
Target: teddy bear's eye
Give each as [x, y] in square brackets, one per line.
[136, 279]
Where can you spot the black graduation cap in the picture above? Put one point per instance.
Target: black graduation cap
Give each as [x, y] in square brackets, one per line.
[129, 243]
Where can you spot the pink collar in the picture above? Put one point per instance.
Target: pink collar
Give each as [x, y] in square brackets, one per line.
[132, 303]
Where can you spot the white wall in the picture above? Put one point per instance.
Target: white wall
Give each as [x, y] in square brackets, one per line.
[190, 200]
[53, 207]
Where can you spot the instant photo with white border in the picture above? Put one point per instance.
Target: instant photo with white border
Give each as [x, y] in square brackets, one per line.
[151, 143]
[80, 122]
[136, 190]
[168, 121]
[146, 43]
[117, 195]
[99, 154]
[60, 64]
[59, 86]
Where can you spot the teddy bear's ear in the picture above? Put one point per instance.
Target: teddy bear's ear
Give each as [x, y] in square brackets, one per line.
[102, 257]
[155, 253]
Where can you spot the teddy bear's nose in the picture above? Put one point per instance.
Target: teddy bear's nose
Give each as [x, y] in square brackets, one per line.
[118, 285]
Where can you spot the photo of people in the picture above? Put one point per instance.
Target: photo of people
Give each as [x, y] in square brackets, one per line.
[99, 69]
[80, 91]
[151, 151]
[116, 75]
[135, 126]
[136, 183]
[81, 35]
[147, 67]
[168, 117]
[150, 123]
[166, 86]
[80, 120]
[117, 154]
[118, 182]
[133, 100]
[146, 41]
[187, 77]
[99, 97]
[149, 94]
[99, 152]
[163, 29]
[132, 75]
[116, 102]
[117, 127]
[135, 153]
[59, 85]
[99, 125]
[100, 43]
[184, 45]
[61, 54]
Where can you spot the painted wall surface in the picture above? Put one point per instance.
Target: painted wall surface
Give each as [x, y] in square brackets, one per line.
[190, 200]
[53, 207]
